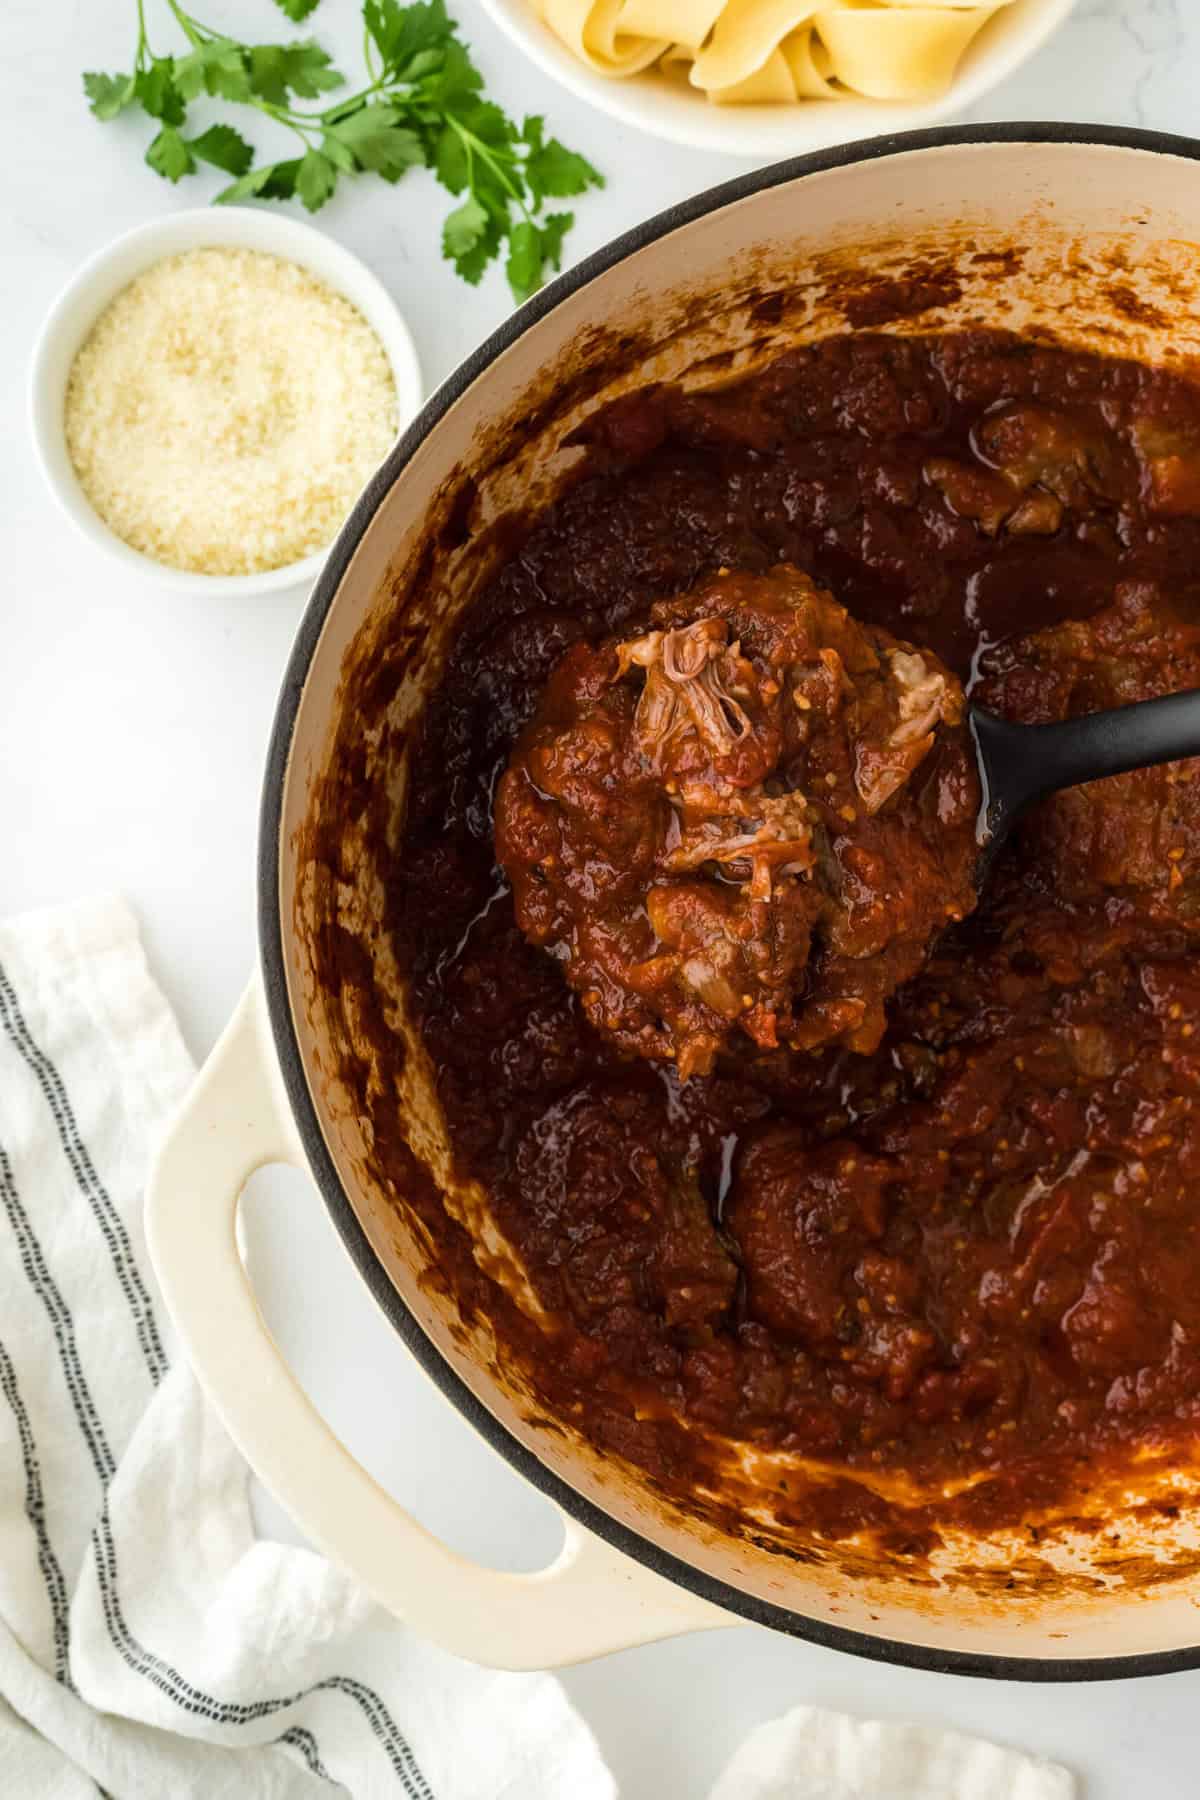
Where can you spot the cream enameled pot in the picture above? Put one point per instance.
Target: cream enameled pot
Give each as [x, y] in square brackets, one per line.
[1088, 234]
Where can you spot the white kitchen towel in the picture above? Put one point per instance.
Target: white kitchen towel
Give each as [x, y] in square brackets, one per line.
[811, 1754]
[151, 1648]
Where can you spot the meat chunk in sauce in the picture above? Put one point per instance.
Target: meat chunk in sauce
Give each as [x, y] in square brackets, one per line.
[803, 1217]
[742, 826]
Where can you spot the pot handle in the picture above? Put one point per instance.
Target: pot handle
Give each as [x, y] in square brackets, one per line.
[590, 1600]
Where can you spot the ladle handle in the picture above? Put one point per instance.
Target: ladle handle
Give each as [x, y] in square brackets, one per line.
[590, 1600]
[1020, 763]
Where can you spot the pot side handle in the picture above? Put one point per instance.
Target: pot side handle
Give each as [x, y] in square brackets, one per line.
[590, 1600]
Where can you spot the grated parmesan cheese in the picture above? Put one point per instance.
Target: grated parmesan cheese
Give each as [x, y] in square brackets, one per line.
[225, 410]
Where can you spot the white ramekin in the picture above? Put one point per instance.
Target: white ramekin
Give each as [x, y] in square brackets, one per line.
[103, 276]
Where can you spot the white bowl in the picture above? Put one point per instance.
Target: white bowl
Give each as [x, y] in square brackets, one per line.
[98, 282]
[667, 109]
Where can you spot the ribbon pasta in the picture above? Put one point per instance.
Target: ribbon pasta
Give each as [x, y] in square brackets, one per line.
[740, 51]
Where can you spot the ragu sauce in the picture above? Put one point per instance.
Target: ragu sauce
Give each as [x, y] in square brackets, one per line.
[978, 1245]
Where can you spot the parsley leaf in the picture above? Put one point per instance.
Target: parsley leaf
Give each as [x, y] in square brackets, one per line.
[554, 229]
[157, 93]
[316, 179]
[107, 95]
[169, 155]
[524, 265]
[274, 181]
[224, 148]
[402, 33]
[422, 102]
[339, 154]
[308, 70]
[486, 122]
[456, 80]
[450, 160]
[217, 67]
[553, 169]
[265, 73]
[531, 247]
[463, 228]
[471, 264]
[376, 141]
[423, 63]
[277, 71]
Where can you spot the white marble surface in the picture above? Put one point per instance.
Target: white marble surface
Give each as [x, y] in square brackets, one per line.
[131, 738]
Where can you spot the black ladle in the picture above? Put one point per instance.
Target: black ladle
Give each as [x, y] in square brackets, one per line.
[1019, 764]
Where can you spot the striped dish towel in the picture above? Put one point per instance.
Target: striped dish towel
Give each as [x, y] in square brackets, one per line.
[150, 1645]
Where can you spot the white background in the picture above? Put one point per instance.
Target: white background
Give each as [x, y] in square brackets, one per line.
[132, 732]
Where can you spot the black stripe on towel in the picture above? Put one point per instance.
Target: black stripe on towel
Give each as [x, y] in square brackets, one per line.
[169, 1681]
[35, 1512]
[385, 1729]
[107, 1217]
[44, 1286]
[306, 1744]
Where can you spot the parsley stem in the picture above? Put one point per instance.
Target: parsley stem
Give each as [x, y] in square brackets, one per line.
[301, 122]
[495, 163]
[343, 108]
[186, 25]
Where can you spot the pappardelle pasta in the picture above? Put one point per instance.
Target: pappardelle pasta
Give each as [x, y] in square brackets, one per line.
[739, 51]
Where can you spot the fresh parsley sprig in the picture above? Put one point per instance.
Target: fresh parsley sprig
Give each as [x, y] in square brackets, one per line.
[423, 104]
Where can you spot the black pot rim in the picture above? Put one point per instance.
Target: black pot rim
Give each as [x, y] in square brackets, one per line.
[743, 1606]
